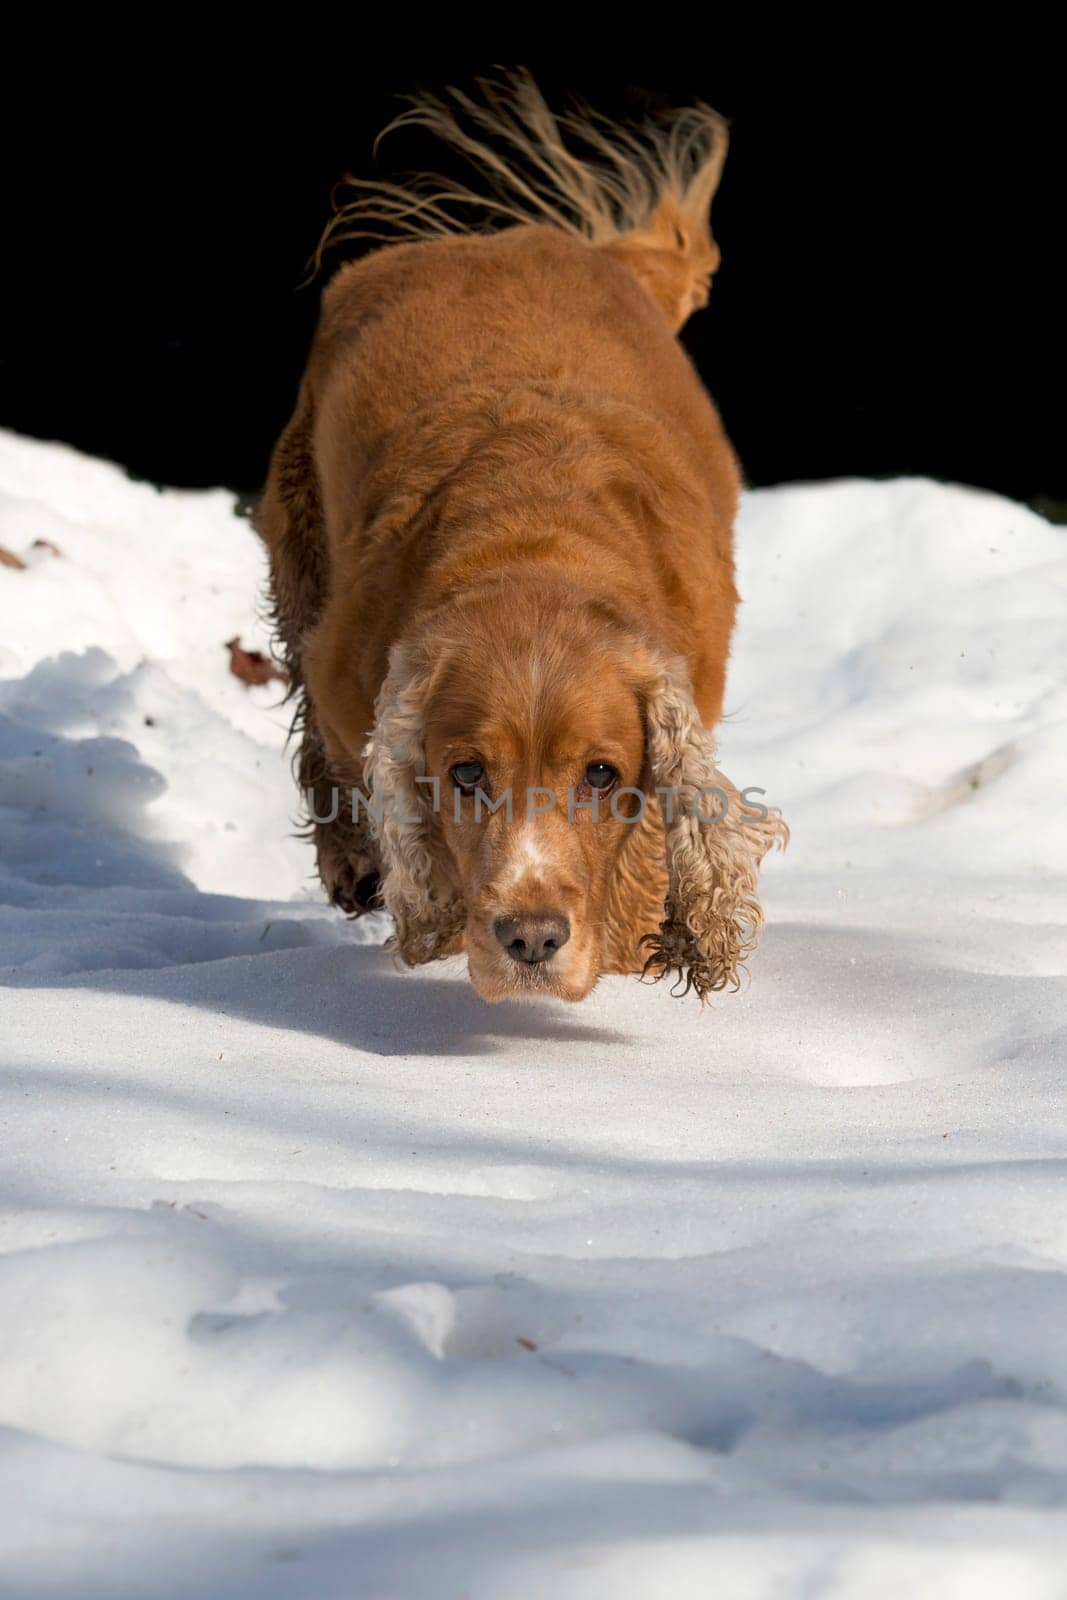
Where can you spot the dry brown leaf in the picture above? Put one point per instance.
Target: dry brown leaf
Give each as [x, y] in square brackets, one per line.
[252, 666]
[46, 544]
[8, 558]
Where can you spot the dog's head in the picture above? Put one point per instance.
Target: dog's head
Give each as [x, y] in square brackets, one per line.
[515, 746]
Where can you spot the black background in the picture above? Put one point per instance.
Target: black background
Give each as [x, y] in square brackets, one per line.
[889, 219]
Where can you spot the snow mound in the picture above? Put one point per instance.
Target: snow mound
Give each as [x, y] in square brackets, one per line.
[320, 1278]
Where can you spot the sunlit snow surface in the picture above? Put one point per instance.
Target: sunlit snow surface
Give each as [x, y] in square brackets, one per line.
[320, 1279]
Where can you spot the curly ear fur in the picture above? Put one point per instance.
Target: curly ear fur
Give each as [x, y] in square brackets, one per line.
[713, 915]
[417, 886]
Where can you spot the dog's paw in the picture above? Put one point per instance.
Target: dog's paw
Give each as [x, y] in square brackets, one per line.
[356, 889]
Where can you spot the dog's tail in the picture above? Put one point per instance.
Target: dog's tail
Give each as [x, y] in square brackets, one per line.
[643, 194]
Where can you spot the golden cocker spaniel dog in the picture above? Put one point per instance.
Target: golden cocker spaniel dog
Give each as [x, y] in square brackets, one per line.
[500, 533]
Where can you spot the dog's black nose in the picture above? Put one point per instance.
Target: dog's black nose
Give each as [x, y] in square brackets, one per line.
[532, 938]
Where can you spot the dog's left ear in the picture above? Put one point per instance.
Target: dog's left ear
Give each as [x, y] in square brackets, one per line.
[418, 886]
[715, 842]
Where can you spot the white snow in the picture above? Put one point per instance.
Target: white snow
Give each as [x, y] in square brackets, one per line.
[323, 1279]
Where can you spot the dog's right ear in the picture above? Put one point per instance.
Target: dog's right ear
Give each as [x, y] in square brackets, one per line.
[418, 885]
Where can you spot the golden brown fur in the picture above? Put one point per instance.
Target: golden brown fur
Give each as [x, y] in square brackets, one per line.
[500, 527]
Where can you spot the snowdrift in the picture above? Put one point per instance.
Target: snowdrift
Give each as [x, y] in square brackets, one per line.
[320, 1278]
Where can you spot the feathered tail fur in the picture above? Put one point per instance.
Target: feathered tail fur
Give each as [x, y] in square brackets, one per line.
[642, 193]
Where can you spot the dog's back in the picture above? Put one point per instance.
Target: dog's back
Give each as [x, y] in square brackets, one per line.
[461, 320]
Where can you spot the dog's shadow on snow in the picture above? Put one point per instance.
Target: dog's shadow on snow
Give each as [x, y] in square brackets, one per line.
[355, 995]
[396, 1013]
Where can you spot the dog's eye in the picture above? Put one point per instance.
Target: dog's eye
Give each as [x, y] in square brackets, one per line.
[599, 775]
[468, 775]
